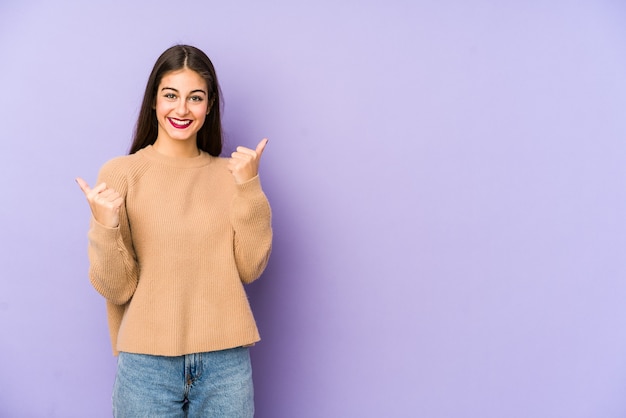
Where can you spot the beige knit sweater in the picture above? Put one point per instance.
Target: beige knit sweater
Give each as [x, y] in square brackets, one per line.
[173, 271]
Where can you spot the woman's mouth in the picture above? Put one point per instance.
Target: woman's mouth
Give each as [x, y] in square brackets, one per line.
[179, 123]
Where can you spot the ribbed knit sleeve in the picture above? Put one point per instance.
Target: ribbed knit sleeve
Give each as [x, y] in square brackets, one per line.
[251, 222]
[113, 268]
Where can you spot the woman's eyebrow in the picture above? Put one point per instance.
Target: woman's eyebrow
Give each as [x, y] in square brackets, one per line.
[193, 91]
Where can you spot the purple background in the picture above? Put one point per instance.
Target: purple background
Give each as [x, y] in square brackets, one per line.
[448, 187]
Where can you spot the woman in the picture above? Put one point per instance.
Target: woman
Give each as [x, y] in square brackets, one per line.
[176, 232]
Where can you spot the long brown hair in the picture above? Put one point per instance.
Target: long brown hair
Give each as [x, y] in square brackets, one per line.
[209, 137]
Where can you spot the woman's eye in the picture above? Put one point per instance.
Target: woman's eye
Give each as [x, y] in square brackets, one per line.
[169, 95]
[196, 98]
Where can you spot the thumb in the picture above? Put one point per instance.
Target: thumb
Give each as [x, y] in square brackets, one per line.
[83, 185]
[261, 146]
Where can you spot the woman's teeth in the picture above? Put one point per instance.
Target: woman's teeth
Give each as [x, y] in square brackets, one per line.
[180, 123]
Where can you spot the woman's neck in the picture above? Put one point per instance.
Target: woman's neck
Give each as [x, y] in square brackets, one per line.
[180, 149]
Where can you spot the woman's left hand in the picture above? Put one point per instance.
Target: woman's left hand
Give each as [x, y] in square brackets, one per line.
[244, 162]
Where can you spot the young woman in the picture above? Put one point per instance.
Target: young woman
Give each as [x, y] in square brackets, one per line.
[176, 232]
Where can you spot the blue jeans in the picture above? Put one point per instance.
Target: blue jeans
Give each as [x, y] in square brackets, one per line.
[213, 384]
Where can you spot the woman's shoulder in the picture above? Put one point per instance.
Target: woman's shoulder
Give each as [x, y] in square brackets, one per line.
[123, 166]
[220, 161]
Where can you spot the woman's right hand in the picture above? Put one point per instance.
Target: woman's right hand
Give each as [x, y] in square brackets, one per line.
[104, 202]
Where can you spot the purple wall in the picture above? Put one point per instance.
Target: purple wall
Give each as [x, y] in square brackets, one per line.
[448, 186]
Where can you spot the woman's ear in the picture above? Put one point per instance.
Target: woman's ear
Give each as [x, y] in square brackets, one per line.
[208, 110]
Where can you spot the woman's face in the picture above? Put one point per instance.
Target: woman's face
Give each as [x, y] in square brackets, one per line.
[181, 105]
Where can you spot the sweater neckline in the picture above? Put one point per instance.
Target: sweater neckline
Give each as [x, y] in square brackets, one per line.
[181, 162]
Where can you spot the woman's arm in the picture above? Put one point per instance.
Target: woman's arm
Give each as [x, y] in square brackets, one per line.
[251, 214]
[251, 219]
[113, 268]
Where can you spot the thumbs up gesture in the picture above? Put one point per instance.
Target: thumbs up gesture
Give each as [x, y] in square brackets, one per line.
[244, 162]
[104, 202]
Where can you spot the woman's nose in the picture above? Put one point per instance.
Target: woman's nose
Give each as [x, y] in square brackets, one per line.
[182, 108]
